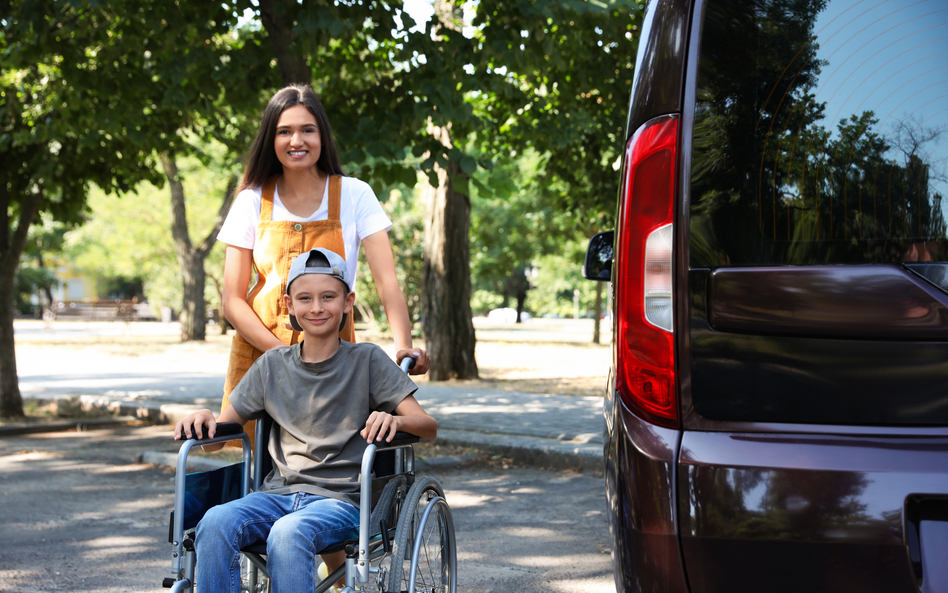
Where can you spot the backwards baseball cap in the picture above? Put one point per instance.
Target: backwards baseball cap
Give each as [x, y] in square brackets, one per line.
[318, 261]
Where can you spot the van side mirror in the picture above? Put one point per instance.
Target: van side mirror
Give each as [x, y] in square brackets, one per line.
[598, 265]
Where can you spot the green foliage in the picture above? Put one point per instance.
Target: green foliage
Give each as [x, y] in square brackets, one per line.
[558, 76]
[482, 301]
[510, 225]
[45, 240]
[558, 276]
[518, 237]
[129, 238]
[89, 90]
[28, 281]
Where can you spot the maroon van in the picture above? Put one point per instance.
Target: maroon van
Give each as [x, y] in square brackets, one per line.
[777, 411]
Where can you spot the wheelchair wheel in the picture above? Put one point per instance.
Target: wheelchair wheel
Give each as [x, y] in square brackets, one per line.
[424, 554]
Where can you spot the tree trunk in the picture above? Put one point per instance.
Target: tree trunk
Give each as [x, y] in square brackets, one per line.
[193, 307]
[446, 292]
[597, 314]
[11, 402]
[293, 67]
[191, 259]
[46, 290]
[219, 289]
[11, 247]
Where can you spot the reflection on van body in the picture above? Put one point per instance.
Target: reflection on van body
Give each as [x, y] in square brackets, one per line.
[832, 147]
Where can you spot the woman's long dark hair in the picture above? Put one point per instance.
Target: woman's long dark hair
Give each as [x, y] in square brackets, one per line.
[262, 162]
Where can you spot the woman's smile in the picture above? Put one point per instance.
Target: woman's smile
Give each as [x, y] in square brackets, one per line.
[297, 142]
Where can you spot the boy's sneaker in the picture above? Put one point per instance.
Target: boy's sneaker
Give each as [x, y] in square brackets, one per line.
[323, 573]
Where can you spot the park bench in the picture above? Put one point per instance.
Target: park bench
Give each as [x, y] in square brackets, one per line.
[104, 310]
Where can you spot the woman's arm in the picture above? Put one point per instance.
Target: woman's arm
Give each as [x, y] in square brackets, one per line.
[378, 252]
[238, 264]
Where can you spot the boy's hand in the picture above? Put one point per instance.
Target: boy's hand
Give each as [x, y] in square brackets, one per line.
[378, 426]
[422, 360]
[194, 423]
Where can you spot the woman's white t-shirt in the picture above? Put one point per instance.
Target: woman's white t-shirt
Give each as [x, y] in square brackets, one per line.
[360, 213]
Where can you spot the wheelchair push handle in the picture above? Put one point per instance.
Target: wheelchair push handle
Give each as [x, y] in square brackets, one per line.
[407, 363]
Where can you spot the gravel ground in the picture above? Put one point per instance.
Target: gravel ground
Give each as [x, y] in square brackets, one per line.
[80, 513]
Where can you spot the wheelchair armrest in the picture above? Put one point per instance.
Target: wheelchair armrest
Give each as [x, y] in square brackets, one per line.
[226, 431]
[402, 439]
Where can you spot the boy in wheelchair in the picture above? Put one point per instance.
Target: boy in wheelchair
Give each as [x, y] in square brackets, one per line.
[328, 400]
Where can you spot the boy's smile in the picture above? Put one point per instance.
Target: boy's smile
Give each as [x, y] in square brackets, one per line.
[318, 301]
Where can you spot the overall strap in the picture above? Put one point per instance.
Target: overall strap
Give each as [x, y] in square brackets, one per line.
[266, 199]
[335, 196]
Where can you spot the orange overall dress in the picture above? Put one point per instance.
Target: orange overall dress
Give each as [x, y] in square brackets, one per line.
[277, 243]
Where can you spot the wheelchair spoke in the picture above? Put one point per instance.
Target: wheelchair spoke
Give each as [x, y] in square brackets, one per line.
[424, 543]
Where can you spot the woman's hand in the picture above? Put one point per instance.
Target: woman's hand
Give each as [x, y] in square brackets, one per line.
[422, 360]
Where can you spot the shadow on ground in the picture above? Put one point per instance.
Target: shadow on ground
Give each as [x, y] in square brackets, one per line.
[79, 513]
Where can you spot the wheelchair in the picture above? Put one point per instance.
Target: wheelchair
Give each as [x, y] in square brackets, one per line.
[406, 537]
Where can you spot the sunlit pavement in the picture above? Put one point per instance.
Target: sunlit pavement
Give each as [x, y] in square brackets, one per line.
[166, 383]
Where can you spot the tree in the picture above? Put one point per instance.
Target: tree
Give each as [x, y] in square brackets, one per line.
[79, 105]
[446, 296]
[551, 75]
[66, 121]
[566, 71]
[211, 74]
[190, 257]
[128, 238]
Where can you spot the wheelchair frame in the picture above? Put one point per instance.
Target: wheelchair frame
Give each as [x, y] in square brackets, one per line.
[410, 533]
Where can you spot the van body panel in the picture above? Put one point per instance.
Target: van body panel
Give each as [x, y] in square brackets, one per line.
[790, 512]
[662, 49]
[640, 463]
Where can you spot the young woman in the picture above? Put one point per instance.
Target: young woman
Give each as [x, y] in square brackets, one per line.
[294, 198]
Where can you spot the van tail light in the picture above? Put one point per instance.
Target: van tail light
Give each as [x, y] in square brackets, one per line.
[644, 341]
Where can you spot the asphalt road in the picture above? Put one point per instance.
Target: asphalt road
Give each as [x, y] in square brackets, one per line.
[78, 512]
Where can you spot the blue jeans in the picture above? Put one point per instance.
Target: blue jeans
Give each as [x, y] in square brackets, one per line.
[296, 527]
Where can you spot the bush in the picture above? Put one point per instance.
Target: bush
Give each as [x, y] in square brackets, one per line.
[28, 282]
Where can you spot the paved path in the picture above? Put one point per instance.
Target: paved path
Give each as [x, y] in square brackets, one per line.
[166, 386]
[80, 513]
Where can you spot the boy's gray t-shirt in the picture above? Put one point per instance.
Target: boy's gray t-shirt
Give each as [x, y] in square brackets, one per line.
[318, 410]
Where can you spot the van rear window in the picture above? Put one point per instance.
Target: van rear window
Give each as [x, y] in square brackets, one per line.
[821, 133]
